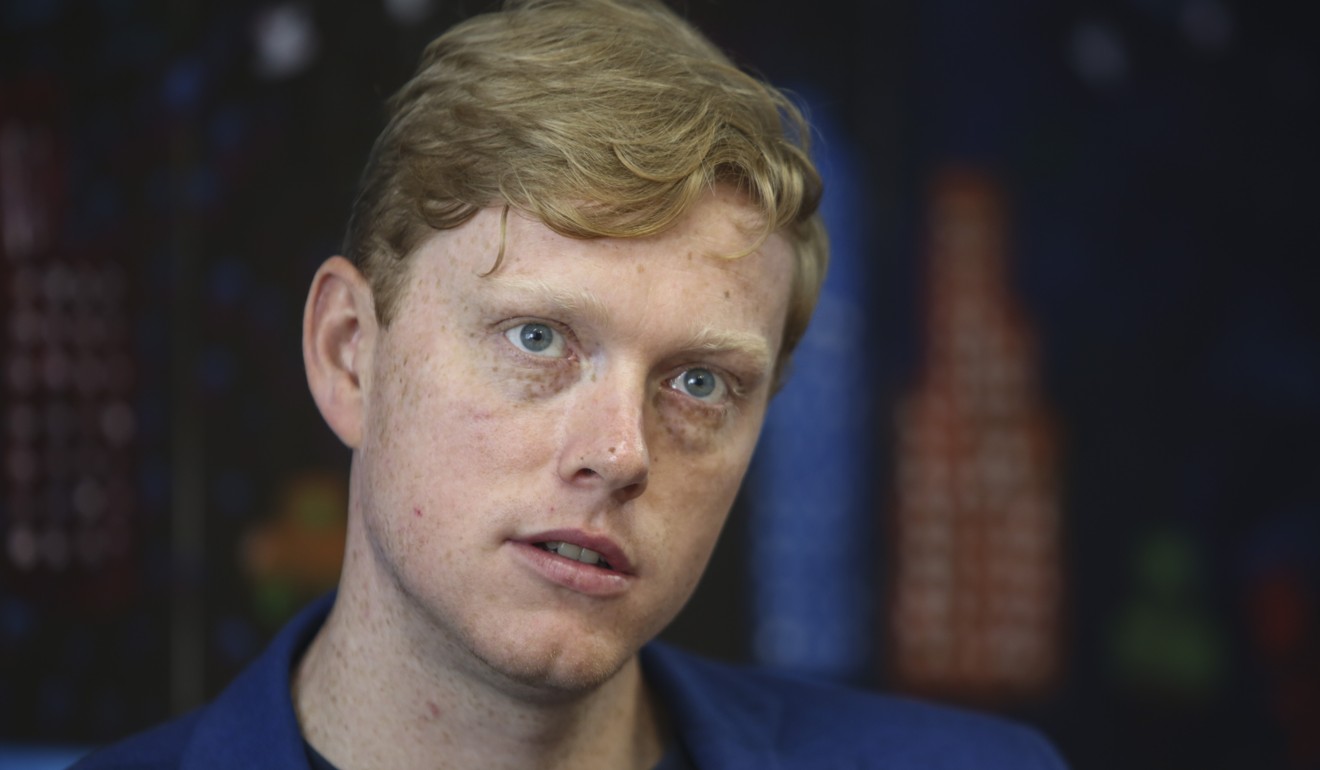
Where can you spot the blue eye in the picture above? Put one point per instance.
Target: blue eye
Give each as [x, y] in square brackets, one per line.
[537, 338]
[700, 383]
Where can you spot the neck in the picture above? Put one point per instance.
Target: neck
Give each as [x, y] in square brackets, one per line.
[366, 695]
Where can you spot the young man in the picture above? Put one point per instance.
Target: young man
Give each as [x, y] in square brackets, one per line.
[584, 249]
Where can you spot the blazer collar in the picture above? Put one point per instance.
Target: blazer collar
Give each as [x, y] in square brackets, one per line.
[252, 723]
[724, 717]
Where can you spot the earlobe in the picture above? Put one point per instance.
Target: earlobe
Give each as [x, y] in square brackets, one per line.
[339, 326]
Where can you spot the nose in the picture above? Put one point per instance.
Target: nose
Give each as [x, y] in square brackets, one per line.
[605, 446]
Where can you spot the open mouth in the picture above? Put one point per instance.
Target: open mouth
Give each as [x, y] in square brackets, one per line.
[574, 552]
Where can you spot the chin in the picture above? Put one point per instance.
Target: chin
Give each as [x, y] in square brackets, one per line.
[556, 662]
[557, 672]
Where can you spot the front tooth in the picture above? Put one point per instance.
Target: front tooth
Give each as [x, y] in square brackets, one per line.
[552, 545]
[588, 556]
[570, 550]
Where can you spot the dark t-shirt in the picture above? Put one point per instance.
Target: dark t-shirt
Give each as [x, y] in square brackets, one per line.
[674, 759]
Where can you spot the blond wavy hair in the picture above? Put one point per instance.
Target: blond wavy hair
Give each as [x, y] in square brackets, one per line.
[601, 118]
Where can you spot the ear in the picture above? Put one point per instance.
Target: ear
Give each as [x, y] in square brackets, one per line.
[339, 328]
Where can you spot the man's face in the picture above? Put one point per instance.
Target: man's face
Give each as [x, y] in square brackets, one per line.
[603, 394]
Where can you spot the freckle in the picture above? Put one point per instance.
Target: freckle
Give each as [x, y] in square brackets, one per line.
[593, 376]
[611, 450]
[726, 293]
[641, 269]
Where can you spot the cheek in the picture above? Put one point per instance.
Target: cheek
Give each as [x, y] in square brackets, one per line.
[695, 493]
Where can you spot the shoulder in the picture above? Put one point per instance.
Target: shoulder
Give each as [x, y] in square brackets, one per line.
[816, 724]
[156, 749]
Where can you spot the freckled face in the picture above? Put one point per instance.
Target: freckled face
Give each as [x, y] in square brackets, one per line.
[603, 393]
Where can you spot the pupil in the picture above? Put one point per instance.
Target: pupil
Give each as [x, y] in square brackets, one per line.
[536, 337]
[699, 382]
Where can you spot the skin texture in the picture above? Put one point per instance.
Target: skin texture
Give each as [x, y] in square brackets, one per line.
[455, 641]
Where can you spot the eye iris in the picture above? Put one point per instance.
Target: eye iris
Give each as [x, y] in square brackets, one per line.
[536, 337]
[699, 382]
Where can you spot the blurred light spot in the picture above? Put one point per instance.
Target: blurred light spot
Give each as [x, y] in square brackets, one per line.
[58, 283]
[22, 547]
[1207, 24]
[408, 11]
[286, 41]
[1098, 54]
[118, 423]
[88, 499]
[183, 84]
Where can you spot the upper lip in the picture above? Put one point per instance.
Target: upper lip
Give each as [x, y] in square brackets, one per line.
[607, 548]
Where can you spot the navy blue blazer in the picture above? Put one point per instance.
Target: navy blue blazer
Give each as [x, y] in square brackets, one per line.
[728, 718]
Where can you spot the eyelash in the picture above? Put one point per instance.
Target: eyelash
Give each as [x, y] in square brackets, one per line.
[568, 340]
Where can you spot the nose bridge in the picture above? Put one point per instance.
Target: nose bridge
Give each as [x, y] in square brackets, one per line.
[606, 435]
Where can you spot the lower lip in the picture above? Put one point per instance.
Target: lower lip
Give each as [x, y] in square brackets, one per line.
[573, 575]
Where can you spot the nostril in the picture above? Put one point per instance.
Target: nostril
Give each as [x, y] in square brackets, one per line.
[631, 491]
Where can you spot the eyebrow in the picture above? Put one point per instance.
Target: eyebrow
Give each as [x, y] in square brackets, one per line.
[752, 347]
[749, 346]
[577, 300]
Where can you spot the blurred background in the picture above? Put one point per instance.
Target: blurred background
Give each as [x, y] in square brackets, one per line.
[1050, 448]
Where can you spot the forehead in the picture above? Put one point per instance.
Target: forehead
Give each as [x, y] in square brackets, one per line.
[704, 280]
[719, 236]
